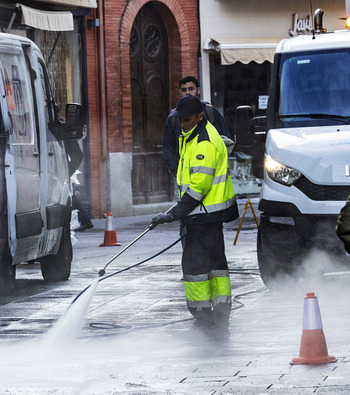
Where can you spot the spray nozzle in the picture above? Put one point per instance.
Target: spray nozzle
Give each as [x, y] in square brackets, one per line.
[101, 273]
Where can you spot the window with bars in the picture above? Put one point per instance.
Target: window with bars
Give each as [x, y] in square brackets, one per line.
[62, 54]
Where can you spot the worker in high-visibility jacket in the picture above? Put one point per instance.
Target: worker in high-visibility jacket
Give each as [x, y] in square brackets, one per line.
[207, 199]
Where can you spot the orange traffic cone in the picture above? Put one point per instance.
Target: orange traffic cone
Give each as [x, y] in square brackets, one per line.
[110, 238]
[313, 347]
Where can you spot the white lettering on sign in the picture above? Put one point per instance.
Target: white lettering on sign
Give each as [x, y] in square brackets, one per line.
[300, 25]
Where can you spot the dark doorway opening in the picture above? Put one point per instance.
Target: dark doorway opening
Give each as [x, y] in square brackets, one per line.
[149, 68]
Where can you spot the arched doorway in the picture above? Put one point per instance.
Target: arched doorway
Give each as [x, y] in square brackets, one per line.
[149, 70]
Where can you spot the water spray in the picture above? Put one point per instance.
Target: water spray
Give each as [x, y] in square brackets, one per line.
[59, 331]
[101, 276]
[102, 272]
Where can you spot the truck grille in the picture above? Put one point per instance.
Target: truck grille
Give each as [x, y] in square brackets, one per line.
[322, 192]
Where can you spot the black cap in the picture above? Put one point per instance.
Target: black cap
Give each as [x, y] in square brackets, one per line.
[186, 106]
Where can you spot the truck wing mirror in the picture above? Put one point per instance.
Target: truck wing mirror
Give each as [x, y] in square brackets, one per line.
[75, 127]
[242, 126]
[250, 137]
[249, 129]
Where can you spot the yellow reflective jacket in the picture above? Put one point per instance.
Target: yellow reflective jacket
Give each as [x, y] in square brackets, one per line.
[203, 174]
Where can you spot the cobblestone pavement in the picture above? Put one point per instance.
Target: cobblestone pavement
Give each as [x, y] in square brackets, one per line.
[137, 336]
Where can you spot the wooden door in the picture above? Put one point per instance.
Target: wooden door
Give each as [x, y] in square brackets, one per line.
[149, 91]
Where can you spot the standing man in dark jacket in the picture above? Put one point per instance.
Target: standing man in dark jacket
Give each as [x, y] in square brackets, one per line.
[188, 86]
[206, 200]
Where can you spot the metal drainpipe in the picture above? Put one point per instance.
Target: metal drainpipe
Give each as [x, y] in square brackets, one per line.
[102, 82]
[104, 194]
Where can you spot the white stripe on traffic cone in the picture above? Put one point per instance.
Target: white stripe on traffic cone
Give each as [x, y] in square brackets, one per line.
[110, 237]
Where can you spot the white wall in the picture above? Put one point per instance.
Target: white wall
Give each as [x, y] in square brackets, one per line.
[119, 168]
[270, 18]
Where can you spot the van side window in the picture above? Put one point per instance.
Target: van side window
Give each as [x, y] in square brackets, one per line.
[49, 108]
[18, 92]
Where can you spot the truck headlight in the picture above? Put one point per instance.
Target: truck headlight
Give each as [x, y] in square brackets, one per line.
[280, 173]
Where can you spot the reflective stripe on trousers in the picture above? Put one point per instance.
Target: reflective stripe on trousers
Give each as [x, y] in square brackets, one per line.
[208, 293]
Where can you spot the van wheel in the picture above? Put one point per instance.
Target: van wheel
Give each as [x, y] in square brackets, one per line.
[7, 273]
[276, 269]
[57, 267]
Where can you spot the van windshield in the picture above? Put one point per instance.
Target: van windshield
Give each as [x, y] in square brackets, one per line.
[315, 88]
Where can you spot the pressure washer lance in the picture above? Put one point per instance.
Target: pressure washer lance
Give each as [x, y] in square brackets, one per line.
[102, 272]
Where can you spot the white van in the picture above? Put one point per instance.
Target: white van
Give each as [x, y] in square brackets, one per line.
[35, 192]
[304, 150]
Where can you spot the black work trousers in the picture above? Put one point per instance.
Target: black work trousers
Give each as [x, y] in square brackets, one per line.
[204, 257]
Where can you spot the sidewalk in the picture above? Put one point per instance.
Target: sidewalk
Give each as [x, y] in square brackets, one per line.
[138, 337]
[156, 350]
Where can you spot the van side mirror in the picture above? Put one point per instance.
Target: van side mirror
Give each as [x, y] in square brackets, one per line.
[249, 129]
[242, 126]
[75, 127]
[250, 133]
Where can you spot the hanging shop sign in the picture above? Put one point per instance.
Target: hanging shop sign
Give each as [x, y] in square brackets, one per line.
[300, 25]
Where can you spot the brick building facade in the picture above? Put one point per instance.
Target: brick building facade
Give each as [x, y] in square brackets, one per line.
[122, 101]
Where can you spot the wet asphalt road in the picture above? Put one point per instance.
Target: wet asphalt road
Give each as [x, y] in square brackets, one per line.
[136, 336]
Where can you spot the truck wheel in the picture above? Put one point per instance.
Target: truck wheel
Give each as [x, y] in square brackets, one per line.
[7, 273]
[57, 267]
[275, 266]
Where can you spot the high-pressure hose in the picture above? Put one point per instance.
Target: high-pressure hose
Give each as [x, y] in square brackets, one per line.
[102, 325]
[127, 268]
[102, 272]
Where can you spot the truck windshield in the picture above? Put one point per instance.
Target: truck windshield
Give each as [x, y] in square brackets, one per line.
[315, 88]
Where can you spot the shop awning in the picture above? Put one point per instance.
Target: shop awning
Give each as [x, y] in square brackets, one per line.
[47, 20]
[243, 50]
[72, 3]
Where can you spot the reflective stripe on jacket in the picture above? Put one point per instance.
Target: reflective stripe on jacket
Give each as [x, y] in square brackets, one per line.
[203, 171]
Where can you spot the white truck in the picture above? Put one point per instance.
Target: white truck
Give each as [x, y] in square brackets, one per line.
[35, 191]
[301, 150]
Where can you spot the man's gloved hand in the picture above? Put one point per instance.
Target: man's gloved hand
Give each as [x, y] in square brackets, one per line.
[161, 218]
